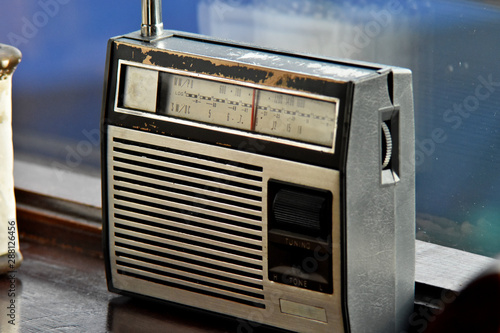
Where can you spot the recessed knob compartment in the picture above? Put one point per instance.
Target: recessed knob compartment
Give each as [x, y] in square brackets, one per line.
[386, 145]
[299, 236]
[389, 146]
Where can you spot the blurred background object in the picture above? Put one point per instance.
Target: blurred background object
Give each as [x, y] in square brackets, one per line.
[452, 48]
[10, 256]
[59, 87]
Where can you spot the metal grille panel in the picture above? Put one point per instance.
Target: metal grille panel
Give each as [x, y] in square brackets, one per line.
[187, 220]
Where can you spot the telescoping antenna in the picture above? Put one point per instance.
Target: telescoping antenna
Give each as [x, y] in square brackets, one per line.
[152, 22]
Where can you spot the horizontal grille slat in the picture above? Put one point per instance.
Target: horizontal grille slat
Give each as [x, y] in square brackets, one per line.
[123, 178]
[153, 219]
[231, 262]
[138, 274]
[249, 275]
[187, 219]
[184, 211]
[192, 163]
[122, 142]
[190, 173]
[191, 240]
[181, 179]
[195, 270]
[198, 277]
[194, 233]
[192, 200]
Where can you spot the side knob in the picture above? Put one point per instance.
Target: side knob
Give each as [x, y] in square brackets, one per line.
[386, 145]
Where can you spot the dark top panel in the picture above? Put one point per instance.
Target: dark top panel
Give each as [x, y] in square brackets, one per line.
[236, 62]
[269, 58]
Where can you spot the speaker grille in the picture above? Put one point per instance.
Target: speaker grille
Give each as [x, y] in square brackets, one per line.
[187, 220]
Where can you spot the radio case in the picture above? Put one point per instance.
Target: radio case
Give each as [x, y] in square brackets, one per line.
[270, 229]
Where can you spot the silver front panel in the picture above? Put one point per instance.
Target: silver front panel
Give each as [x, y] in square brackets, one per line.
[188, 224]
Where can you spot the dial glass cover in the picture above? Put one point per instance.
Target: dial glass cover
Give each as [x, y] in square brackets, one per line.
[275, 112]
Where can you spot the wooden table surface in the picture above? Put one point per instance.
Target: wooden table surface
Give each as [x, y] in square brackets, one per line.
[60, 290]
[62, 287]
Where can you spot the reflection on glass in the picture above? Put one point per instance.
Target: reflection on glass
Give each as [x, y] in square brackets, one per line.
[452, 48]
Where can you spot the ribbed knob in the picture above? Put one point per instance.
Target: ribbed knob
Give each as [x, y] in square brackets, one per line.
[386, 145]
[297, 209]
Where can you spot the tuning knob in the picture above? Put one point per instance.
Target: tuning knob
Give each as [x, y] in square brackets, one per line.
[294, 210]
[386, 145]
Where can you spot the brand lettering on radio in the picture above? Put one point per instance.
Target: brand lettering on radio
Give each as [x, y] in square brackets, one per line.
[298, 243]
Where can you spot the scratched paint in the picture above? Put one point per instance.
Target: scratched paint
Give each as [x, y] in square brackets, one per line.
[225, 68]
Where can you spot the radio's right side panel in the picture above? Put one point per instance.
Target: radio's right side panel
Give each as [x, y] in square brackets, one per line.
[380, 205]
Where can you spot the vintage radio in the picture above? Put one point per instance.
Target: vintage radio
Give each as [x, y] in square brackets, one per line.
[274, 187]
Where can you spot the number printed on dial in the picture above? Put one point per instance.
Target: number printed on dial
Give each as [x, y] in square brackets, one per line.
[294, 117]
[209, 101]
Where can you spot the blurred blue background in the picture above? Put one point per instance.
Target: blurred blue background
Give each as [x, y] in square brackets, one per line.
[452, 47]
[58, 86]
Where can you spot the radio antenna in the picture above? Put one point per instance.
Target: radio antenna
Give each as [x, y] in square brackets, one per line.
[152, 22]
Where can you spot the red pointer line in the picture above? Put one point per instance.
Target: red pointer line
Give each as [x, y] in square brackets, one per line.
[252, 125]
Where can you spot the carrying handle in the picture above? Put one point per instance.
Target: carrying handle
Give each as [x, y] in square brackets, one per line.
[152, 22]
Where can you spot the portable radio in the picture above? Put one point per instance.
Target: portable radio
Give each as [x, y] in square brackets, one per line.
[277, 188]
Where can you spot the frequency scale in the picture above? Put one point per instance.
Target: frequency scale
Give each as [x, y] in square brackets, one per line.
[274, 187]
[297, 116]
